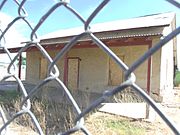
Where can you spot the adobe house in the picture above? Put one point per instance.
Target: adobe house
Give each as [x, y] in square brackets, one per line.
[86, 68]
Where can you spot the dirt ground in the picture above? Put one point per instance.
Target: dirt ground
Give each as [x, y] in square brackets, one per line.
[151, 128]
[96, 122]
[155, 127]
[159, 127]
[173, 111]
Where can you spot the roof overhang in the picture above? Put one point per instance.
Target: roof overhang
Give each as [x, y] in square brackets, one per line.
[106, 35]
[88, 43]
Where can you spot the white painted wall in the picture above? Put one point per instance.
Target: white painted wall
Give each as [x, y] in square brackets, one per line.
[167, 68]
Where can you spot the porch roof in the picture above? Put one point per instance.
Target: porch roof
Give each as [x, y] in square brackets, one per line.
[150, 25]
[155, 20]
[130, 33]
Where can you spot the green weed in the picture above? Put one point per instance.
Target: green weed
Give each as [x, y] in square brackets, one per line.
[177, 78]
[125, 127]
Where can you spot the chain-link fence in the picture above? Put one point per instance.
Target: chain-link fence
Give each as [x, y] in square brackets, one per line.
[53, 71]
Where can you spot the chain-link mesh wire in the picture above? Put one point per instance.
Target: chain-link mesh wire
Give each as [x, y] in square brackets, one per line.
[53, 71]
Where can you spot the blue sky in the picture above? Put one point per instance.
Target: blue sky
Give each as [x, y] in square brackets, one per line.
[115, 10]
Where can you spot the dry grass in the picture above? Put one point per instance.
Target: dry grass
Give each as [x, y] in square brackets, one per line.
[107, 124]
[15, 129]
[54, 117]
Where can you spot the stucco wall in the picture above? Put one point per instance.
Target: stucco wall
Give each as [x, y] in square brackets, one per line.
[94, 66]
[155, 70]
[93, 74]
[131, 54]
[33, 66]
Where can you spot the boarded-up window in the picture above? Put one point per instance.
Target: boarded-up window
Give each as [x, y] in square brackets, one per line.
[43, 68]
[73, 73]
[115, 72]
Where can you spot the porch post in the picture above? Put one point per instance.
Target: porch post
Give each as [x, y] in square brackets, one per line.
[19, 66]
[149, 72]
[19, 71]
[148, 80]
[65, 79]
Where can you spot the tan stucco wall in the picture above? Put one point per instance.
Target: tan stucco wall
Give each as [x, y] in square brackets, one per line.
[33, 66]
[94, 66]
[93, 69]
[131, 54]
[155, 69]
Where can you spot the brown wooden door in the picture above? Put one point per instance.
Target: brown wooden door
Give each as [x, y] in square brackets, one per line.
[43, 68]
[73, 73]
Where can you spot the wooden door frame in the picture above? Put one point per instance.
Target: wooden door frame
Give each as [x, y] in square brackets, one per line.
[66, 59]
